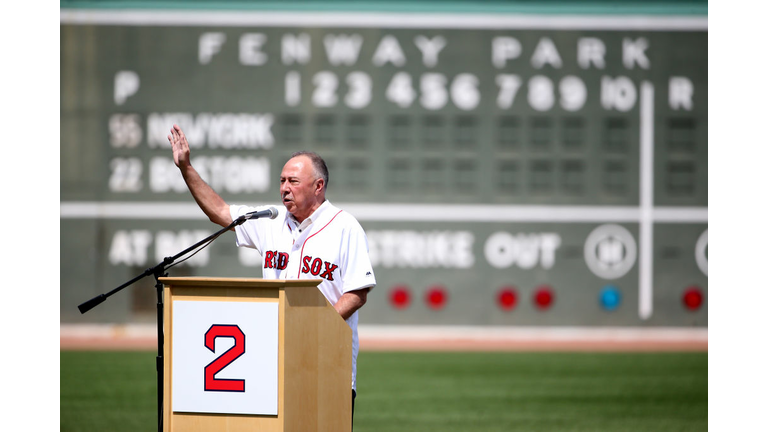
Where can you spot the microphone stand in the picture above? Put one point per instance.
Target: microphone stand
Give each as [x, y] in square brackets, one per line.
[159, 271]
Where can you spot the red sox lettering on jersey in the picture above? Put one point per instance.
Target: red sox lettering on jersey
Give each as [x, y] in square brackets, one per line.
[310, 265]
[315, 265]
[276, 260]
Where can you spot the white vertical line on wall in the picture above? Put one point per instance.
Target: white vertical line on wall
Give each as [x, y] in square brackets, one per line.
[646, 201]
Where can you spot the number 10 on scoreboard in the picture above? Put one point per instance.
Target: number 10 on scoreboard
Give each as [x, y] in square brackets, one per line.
[213, 370]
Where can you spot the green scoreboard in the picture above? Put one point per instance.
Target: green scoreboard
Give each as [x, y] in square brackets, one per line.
[544, 170]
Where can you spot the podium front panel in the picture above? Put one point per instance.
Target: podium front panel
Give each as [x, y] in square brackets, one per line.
[225, 357]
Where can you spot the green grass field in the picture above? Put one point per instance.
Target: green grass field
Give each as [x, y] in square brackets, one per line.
[398, 391]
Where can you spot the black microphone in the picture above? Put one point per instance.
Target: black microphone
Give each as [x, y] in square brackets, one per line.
[270, 213]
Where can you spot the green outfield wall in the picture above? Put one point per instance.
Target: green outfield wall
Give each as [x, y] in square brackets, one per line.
[511, 165]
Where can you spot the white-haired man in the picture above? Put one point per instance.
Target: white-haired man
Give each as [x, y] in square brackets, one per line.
[312, 239]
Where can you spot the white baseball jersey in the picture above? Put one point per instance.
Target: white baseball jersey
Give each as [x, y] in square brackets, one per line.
[329, 245]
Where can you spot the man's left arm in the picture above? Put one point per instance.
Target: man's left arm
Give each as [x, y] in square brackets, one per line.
[356, 270]
[350, 302]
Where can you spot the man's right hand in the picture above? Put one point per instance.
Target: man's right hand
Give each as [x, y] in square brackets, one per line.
[180, 147]
[209, 201]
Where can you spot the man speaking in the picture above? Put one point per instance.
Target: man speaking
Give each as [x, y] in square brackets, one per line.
[313, 239]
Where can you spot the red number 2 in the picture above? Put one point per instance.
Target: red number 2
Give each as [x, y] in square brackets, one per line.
[224, 360]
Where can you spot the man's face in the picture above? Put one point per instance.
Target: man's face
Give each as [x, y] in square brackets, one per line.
[299, 188]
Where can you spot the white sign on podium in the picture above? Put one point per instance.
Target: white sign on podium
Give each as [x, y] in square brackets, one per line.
[224, 357]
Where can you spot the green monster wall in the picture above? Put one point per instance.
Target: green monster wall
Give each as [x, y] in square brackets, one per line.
[509, 168]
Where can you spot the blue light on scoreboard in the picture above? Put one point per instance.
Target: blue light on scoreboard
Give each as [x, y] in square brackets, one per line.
[610, 298]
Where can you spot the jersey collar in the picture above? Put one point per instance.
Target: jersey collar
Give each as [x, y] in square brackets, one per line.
[315, 216]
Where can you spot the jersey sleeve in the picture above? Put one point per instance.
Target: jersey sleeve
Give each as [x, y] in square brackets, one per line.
[357, 271]
[251, 233]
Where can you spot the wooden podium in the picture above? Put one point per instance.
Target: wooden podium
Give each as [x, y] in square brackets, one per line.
[314, 355]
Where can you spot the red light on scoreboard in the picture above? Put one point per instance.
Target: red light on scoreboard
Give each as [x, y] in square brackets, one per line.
[437, 297]
[400, 297]
[507, 298]
[543, 297]
[693, 298]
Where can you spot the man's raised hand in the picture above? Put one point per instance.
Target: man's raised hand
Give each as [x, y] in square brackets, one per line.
[180, 147]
